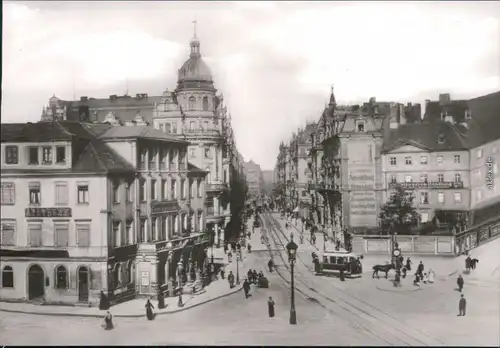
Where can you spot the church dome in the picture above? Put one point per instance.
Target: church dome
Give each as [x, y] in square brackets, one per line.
[195, 70]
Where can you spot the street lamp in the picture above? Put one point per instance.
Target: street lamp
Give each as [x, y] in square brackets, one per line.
[179, 269]
[238, 267]
[292, 251]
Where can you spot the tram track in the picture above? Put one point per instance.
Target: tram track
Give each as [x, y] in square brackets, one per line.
[374, 320]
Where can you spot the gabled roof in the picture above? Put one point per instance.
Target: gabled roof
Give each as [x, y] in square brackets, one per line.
[89, 154]
[484, 126]
[34, 132]
[139, 132]
[425, 134]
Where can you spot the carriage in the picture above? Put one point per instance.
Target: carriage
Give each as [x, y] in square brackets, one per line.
[333, 262]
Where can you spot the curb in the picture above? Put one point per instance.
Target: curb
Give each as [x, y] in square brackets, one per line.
[122, 315]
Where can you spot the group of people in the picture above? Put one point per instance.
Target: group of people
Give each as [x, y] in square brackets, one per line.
[108, 318]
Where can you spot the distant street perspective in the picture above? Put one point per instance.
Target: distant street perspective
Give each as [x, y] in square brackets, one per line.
[250, 173]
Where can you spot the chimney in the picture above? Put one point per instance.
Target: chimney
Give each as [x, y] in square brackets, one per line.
[113, 97]
[444, 98]
[402, 116]
[84, 98]
[393, 116]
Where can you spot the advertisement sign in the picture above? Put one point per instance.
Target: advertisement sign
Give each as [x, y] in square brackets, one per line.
[363, 209]
[47, 212]
[145, 278]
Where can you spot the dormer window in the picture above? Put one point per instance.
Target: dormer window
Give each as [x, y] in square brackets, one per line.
[443, 115]
[468, 114]
[441, 139]
[360, 126]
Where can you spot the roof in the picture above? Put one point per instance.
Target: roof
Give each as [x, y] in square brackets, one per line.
[455, 108]
[141, 132]
[484, 125]
[89, 154]
[424, 134]
[33, 132]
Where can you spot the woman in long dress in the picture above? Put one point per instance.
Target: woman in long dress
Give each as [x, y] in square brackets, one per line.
[431, 276]
[149, 310]
[108, 321]
[270, 307]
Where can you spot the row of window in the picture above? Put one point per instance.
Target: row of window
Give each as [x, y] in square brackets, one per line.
[8, 193]
[36, 154]
[61, 277]
[195, 190]
[35, 233]
[165, 156]
[171, 127]
[424, 178]
[424, 160]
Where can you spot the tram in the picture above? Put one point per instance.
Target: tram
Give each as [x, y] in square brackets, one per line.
[334, 261]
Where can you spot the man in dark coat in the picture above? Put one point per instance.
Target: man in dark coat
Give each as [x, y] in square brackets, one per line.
[461, 306]
[246, 288]
[103, 302]
[230, 279]
[420, 269]
[270, 306]
[468, 265]
[408, 264]
[249, 275]
[460, 283]
[270, 265]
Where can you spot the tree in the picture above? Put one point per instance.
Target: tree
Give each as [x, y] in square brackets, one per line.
[399, 213]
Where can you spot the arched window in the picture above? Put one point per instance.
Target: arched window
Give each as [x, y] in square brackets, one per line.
[7, 277]
[191, 126]
[61, 277]
[124, 274]
[192, 103]
[205, 103]
[130, 267]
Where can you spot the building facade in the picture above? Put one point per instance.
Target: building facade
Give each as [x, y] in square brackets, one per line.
[91, 207]
[254, 178]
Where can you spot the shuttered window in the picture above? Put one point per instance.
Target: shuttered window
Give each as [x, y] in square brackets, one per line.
[61, 233]
[8, 232]
[61, 193]
[35, 234]
[8, 193]
[83, 234]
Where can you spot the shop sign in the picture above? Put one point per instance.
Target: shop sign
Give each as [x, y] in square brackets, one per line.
[47, 212]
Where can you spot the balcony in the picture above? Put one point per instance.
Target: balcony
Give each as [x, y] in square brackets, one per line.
[428, 185]
[202, 132]
[216, 187]
[164, 206]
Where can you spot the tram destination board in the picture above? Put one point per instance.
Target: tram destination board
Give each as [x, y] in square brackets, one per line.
[48, 212]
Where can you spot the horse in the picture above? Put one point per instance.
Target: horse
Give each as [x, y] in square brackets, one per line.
[382, 268]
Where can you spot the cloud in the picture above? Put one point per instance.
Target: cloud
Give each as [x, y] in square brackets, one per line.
[274, 61]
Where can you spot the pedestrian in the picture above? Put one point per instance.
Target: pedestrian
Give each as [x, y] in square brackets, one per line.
[270, 307]
[246, 288]
[474, 262]
[238, 247]
[229, 257]
[460, 282]
[249, 247]
[462, 304]
[468, 265]
[416, 281]
[103, 302]
[161, 299]
[420, 269]
[254, 276]
[149, 310]
[314, 239]
[301, 238]
[425, 279]
[108, 321]
[286, 225]
[250, 275]
[225, 248]
[404, 272]
[270, 265]
[222, 271]
[408, 264]
[432, 276]
[342, 275]
[230, 279]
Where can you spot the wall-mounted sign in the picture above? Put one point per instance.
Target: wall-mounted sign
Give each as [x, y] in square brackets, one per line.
[428, 185]
[47, 212]
[164, 207]
[363, 209]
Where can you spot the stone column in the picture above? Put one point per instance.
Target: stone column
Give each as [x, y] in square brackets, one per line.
[216, 235]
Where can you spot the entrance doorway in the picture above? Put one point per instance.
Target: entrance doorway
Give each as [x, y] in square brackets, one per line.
[83, 284]
[36, 282]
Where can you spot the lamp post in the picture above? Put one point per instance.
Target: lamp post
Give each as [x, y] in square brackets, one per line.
[179, 268]
[238, 267]
[292, 252]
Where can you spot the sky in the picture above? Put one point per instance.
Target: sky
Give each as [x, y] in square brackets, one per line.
[275, 62]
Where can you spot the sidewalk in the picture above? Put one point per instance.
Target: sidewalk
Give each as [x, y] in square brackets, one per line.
[135, 308]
